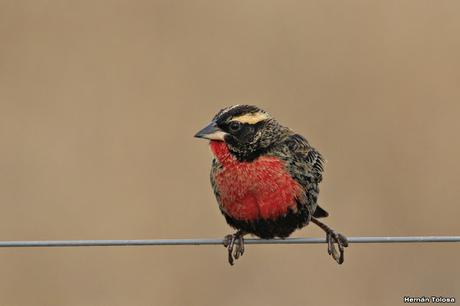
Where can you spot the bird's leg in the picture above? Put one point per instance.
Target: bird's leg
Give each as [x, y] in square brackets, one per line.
[333, 237]
[235, 245]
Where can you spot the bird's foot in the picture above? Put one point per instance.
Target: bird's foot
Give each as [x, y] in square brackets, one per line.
[332, 238]
[235, 246]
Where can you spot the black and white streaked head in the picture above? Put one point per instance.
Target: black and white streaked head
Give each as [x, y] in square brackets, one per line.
[247, 130]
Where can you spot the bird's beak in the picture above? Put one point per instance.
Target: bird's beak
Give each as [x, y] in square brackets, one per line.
[212, 132]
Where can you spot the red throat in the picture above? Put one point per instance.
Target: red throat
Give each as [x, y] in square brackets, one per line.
[253, 190]
[221, 152]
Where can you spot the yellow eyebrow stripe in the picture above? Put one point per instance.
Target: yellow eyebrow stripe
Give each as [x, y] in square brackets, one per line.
[251, 118]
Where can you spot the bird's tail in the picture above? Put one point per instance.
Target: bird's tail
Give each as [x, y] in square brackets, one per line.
[320, 212]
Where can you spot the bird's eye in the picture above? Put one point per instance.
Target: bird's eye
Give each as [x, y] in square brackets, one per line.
[234, 126]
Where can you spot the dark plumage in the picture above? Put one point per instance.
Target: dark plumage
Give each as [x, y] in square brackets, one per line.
[265, 178]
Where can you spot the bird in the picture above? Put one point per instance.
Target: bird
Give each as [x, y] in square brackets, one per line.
[265, 179]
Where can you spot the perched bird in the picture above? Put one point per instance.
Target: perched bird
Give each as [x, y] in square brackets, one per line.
[265, 178]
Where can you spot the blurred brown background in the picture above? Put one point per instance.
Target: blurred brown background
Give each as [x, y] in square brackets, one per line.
[98, 104]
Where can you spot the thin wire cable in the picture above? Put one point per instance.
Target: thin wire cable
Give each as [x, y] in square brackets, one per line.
[160, 242]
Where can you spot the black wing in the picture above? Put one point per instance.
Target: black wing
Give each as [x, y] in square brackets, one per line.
[306, 166]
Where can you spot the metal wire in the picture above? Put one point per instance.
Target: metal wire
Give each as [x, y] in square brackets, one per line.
[159, 242]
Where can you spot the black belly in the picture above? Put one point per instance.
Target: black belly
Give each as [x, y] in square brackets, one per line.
[280, 227]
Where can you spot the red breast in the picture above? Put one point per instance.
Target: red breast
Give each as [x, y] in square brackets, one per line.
[253, 190]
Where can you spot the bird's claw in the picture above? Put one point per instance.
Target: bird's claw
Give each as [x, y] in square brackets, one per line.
[235, 246]
[341, 241]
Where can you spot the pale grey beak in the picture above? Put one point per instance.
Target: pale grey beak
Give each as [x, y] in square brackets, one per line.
[212, 132]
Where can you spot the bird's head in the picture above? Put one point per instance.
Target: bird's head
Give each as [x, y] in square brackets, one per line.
[247, 130]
